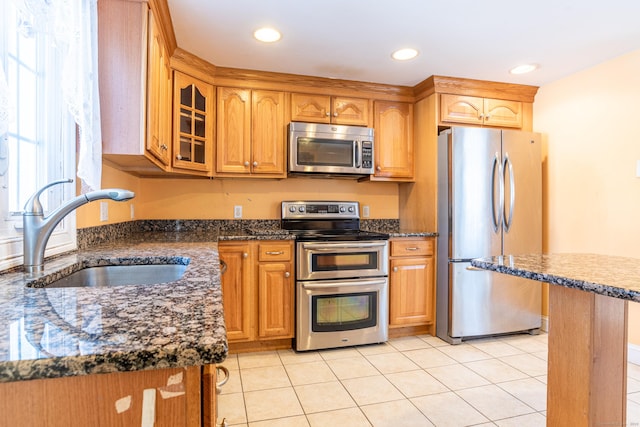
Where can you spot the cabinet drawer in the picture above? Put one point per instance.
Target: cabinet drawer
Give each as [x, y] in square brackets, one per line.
[274, 251]
[413, 247]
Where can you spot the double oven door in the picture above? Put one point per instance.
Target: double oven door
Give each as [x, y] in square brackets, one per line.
[342, 293]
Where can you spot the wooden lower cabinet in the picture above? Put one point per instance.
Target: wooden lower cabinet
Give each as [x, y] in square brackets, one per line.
[412, 283]
[163, 397]
[258, 290]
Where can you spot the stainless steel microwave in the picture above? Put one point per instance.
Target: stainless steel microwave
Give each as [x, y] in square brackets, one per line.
[330, 149]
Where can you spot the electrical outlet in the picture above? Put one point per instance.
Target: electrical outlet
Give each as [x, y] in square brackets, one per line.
[104, 211]
[133, 211]
[365, 211]
[237, 211]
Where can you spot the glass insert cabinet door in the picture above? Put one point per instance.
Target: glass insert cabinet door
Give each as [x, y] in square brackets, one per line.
[193, 123]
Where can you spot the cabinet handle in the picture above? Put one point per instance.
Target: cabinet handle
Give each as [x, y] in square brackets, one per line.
[335, 114]
[487, 117]
[287, 274]
[327, 114]
[412, 249]
[246, 163]
[255, 164]
[223, 267]
[395, 269]
[179, 157]
[274, 252]
[378, 168]
[480, 116]
[245, 255]
[164, 147]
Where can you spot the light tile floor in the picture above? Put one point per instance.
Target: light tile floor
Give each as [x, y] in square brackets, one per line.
[412, 381]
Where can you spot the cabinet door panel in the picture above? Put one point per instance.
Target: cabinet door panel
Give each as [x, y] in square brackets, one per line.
[193, 123]
[393, 146]
[499, 112]
[237, 295]
[310, 108]
[350, 111]
[233, 148]
[411, 291]
[268, 132]
[275, 300]
[461, 109]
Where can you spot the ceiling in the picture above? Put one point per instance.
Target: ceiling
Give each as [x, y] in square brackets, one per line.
[354, 39]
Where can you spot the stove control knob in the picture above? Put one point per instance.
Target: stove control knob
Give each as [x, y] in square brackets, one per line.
[292, 209]
[342, 209]
[301, 209]
[351, 209]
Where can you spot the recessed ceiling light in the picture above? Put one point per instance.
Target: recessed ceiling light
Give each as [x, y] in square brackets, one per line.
[523, 69]
[267, 35]
[404, 54]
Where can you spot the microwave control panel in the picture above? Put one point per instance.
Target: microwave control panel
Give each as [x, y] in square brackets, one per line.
[367, 154]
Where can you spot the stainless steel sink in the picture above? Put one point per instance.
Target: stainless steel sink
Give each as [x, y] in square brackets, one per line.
[118, 275]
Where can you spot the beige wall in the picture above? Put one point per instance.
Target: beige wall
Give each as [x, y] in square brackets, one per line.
[592, 196]
[216, 198]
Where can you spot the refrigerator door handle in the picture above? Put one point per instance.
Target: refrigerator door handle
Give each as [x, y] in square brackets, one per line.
[508, 166]
[496, 214]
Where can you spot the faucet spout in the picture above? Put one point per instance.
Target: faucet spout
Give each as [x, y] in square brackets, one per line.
[37, 228]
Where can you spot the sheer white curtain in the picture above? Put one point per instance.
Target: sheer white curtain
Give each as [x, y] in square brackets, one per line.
[74, 24]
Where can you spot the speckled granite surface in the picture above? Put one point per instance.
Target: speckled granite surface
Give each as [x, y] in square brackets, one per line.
[613, 276]
[55, 332]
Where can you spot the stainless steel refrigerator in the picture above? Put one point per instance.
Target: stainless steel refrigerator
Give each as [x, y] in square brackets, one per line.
[489, 204]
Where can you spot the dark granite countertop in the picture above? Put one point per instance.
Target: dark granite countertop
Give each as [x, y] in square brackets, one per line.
[613, 276]
[57, 332]
[412, 233]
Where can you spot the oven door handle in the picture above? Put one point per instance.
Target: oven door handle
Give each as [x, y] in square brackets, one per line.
[333, 246]
[341, 284]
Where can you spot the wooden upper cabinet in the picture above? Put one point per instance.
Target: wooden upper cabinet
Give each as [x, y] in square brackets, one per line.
[480, 111]
[251, 132]
[194, 114]
[233, 130]
[159, 93]
[269, 133]
[393, 140]
[327, 109]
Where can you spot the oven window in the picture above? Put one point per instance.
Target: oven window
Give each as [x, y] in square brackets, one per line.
[344, 261]
[344, 312]
[325, 152]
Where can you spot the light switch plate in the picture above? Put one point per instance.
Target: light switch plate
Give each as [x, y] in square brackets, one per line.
[237, 211]
[365, 211]
[133, 211]
[104, 211]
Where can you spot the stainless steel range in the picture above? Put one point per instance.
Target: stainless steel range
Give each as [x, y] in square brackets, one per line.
[341, 276]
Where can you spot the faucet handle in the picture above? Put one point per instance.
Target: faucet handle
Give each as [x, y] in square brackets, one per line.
[33, 206]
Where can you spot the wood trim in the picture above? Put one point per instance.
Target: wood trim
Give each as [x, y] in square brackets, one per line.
[247, 347]
[471, 87]
[406, 331]
[160, 10]
[192, 65]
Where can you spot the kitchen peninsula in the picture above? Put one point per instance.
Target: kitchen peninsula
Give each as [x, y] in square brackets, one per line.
[153, 346]
[588, 303]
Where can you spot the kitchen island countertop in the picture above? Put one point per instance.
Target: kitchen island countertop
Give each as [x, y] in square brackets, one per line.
[58, 332]
[612, 276]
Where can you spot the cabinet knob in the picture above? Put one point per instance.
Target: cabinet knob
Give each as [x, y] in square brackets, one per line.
[335, 114]
[246, 163]
[395, 269]
[378, 168]
[287, 274]
[255, 164]
[179, 157]
[245, 255]
[327, 114]
[487, 117]
[480, 116]
[164, 147]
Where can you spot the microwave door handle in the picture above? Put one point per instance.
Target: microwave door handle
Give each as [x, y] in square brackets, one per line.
[357, 154]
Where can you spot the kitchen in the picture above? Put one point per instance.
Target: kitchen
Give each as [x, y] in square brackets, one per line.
[561, 110]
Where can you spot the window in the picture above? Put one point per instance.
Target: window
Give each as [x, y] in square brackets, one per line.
[39, 143]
